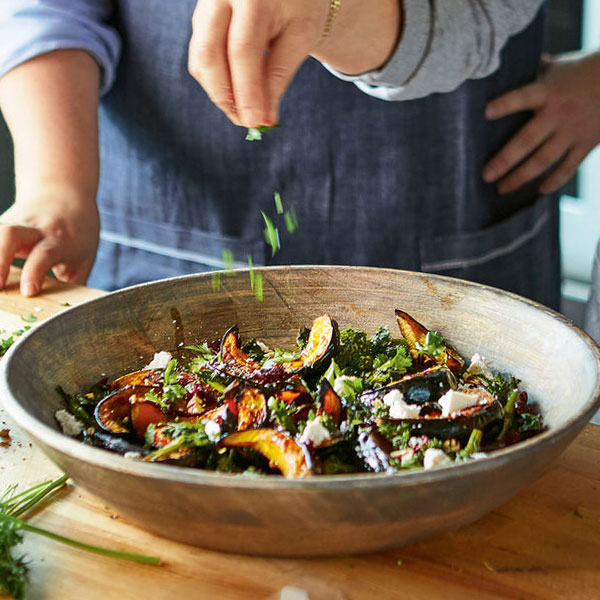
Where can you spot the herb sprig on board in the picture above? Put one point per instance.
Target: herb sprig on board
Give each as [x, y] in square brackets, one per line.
[14, 504]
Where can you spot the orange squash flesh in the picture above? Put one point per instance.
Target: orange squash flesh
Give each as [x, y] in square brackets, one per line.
[252, 409]
[322, 339]
[282, 451]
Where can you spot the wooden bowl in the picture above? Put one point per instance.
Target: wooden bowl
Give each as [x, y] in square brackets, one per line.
[558, 364]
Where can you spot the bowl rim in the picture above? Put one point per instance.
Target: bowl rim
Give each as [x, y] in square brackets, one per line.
[99, 457]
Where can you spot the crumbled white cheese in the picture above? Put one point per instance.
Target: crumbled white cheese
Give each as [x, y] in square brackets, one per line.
[269, 363]
[393, 396]
[212, 430]
[68, 423]
[132, 455]
[345, 385]
[315, 433]
[434, 457]
[479, 366]
[263, 346]
[160, 360]
[399, 409]
[454, 400]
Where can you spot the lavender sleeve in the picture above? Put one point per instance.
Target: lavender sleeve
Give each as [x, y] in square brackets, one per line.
[32, 27]
[444, 43]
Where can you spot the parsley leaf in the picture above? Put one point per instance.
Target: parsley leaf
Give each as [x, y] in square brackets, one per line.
[30, 318]
[255, 134]
[434, 345]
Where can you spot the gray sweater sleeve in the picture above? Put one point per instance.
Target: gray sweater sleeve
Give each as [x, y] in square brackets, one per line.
[444, 43]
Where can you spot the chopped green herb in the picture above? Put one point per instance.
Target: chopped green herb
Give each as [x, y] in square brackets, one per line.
[291, 221]
[5, 344]
[399, 562]
[205, 354]
[278, 203]
[255, 134]
[216, 281]
[22, 331]
[527, 423]
[30, 318]
[282, 414]
[271, 234]
[434, 345]
[228, 262]
[65, 304]
[251, 271]
[258, 286]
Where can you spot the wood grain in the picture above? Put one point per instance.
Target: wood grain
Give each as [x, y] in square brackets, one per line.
[543, 544]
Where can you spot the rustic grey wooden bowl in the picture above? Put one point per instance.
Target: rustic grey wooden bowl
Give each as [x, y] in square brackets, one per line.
[558, 364]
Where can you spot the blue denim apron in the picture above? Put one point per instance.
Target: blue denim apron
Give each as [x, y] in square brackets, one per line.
[393, 184]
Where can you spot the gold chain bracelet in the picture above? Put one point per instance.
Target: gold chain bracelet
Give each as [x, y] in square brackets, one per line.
[334, 8]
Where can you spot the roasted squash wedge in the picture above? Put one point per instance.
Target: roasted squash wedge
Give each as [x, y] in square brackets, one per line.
[416, 334]
[282, 451]
[322, 342]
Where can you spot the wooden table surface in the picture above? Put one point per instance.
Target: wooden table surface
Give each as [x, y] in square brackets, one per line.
[544, 543]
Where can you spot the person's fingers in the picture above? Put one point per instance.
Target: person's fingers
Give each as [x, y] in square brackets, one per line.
[528, 97]
[247, 45]
[564, 171]
[285, 56]
[207, 55]
[541, 160]
[41, 259]
[15, 241]
[73, 273]
[525, 141]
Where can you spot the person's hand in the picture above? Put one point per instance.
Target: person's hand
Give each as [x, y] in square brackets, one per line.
[244, 53]
[564, 128]
[52, 232]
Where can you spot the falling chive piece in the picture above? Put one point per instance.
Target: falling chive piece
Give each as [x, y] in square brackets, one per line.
[258, 285]
[251, 271]
[291, 221]
[271, 234]
[278, 203]
[216, 281]
[228, 262]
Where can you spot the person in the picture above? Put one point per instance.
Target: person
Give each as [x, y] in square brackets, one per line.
[385, 172]
[565, 127]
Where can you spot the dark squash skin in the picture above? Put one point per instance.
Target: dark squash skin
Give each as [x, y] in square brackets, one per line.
[113, 414]
[237, 362]
[418, 388]
[487, 413]
[330, 403]
[283, 452]
[413, 332]
[143, 377]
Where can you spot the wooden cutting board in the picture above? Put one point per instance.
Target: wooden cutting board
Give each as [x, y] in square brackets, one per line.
[543, 544]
